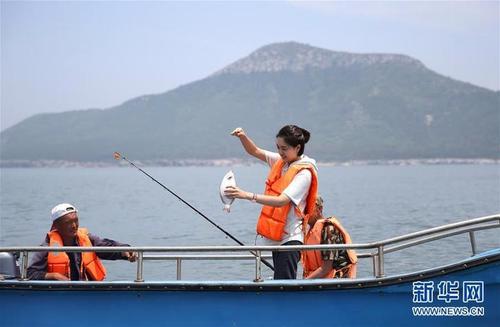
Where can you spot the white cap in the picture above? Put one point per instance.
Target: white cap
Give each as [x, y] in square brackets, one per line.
[62, 209]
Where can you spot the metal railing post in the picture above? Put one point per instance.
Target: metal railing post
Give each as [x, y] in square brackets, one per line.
[179, 268]
[140, 266]
[380, 261]
[472, 237]
[375, 263]
[258, 267]
[24, 265]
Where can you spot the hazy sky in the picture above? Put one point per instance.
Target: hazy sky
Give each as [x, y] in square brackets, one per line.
[59, 56]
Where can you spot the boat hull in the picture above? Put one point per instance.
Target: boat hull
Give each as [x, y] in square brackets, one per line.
[374, 302]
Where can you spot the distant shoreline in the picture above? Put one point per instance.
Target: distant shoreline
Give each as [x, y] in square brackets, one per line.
[235, 161]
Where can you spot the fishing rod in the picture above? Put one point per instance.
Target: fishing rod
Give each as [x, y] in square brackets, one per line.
[118, 156]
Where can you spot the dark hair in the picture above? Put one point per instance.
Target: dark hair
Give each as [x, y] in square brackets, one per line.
[294, 135]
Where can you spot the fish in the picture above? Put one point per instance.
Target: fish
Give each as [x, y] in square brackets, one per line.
[227, 180]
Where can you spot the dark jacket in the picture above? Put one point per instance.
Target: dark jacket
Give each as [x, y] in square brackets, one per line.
[38, 263]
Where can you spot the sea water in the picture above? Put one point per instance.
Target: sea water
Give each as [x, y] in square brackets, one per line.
[372, 202]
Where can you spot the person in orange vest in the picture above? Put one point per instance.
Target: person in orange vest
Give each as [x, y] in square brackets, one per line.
[289, 196]
[327, 263]
[65, 231]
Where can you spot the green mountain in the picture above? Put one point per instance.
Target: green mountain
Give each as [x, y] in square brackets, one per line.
[356, 106]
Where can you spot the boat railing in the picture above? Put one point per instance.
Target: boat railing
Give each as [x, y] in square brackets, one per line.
[377, 250]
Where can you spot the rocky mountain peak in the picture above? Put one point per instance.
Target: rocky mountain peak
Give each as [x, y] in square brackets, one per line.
[295, 57]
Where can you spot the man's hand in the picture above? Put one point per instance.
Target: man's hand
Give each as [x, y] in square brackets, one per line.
[130, 256]
[55, 276]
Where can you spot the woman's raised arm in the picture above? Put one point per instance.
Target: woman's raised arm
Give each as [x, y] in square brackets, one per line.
[249, 145]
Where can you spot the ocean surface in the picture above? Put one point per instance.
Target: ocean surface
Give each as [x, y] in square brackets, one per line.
[372, 202]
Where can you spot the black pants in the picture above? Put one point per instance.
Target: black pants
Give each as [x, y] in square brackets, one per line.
[285, 263]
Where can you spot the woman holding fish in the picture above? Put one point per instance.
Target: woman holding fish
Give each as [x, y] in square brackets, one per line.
[289, 198]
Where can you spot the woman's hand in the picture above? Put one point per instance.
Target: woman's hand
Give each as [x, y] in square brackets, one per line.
[234, 192]
[238, 132]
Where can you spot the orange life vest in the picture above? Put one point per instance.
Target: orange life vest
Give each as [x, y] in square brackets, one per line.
[272, 220]
[91, 267]
[312, 260]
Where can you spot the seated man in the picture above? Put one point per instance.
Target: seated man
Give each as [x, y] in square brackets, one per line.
[327, 263]
[72, 265]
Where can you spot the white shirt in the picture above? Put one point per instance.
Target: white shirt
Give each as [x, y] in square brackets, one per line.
[297, 192]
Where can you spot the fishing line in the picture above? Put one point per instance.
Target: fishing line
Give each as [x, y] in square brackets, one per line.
[118, 156]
